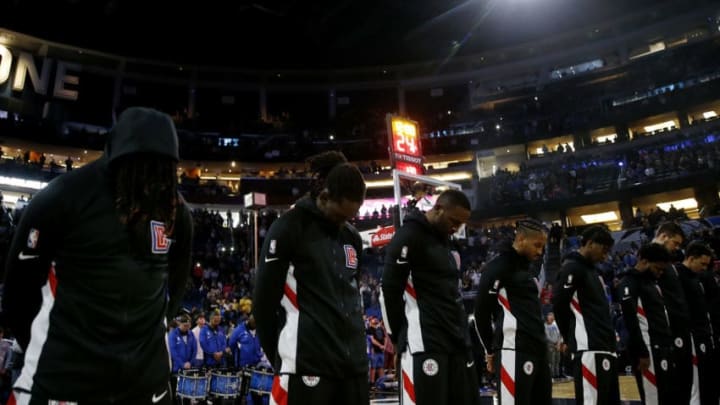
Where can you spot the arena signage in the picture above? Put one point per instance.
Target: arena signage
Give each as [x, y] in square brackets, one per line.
[25, 68]
[404, 145]
[382, 236]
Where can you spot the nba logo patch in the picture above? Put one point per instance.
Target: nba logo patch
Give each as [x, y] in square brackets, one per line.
[351, 259]
[160, 244]
[33, 237]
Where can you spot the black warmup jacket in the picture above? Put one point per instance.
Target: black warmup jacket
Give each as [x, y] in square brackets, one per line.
[97, 294]
[711, 284]
[508, 298]
[306, 301]
[696, 297]
[643, 308]
[676, 303]
[581, 307]
[421, 290]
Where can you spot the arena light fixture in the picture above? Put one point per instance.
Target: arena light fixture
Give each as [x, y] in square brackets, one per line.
[14, 181]
[599, 217]
[662, 125]
[685, 203]
[709, 114]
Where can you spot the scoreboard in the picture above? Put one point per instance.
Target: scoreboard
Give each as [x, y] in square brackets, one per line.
[404, 145]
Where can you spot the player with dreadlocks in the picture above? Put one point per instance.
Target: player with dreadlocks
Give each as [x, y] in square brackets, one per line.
[98, 262]
[509, 321]
[306, 302]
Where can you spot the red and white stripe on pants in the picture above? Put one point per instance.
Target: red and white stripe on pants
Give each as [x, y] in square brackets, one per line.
[589, 374]
[408, 379]
[507, 377]
[279, 393]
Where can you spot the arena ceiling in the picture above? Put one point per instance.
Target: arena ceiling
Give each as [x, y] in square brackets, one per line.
[308, 34]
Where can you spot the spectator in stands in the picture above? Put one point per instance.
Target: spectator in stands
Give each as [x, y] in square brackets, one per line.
[376, 332]
[183, 346]
[214, 342]
[554, 344]
[107, 247]
[245, 345]
[310, 254]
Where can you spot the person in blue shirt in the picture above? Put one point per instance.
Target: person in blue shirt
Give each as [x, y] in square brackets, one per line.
[183, 347]
[245, 345]
[213, 342]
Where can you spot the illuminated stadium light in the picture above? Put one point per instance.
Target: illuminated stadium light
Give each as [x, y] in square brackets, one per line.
[16, 182]
[709, 114]
[686, 203]
[599, 217]
[659, 126]
[606, 138]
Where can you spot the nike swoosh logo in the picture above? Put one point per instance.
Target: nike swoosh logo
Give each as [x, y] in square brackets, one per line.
[470, 364]
[23, 256]
[398, 261]
[492, 292]
[156, 399]
[567, 285]
[271, 259]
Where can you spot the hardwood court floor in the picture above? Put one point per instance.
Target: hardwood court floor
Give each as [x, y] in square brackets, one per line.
[628, 389]
[563, 394]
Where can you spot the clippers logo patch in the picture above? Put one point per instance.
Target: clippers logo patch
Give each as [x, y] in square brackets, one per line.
[311, 381]
[664, 365]
[528, 367]
[160, 244]
[33, 237]
[702, 347]
[606, 364]
[430, 367]
[273, 246]
[351, 259]
[456, 257]
[679, 343]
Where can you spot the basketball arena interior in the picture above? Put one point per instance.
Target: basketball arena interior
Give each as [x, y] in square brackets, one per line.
[573, 113]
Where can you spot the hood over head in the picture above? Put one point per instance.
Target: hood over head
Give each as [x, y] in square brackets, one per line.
[142, 130]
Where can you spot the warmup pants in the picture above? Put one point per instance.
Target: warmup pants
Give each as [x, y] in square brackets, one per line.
[438, 379]
[655, 383]
[292, 389]
[596, 378]
[704, 385]
[524, 378]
